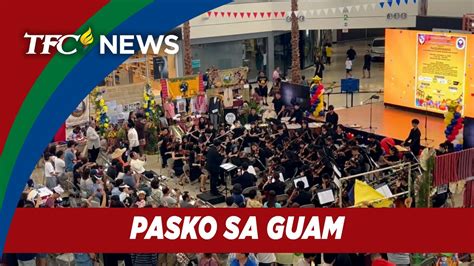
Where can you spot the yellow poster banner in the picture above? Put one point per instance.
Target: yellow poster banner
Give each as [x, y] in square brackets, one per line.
[184, 87]
[228, 77]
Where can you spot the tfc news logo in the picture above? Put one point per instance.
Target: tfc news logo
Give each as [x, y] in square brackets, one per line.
[115, 44]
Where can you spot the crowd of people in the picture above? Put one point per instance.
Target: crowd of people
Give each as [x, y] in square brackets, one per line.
[237, 259]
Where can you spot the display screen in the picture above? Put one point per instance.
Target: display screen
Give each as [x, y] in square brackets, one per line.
[427, 70]
[294, 93]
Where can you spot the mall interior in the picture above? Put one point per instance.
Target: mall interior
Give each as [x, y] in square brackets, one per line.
[278, 104]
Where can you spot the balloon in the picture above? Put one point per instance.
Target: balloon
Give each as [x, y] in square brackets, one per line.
[455, 142]
[450, 139]
[449, 115]
[458, 147]
[457, 115]
[106, 125]
[450, 128]
[105, 108]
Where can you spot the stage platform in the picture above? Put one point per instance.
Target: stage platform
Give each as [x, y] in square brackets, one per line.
[393, 122]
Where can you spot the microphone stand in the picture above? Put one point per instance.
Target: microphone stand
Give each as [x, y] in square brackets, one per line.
[426, 141]
[371, 128]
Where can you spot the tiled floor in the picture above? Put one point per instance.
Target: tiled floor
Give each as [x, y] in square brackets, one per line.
[336, 72]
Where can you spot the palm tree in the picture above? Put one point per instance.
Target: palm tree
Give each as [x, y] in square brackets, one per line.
[188, 66]
[295, 44]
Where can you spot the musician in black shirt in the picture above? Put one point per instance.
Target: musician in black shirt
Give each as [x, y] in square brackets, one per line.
[253, 116]
[413, 140]
[331, 117]
[214, 160]
[297, 114]
[278, 105]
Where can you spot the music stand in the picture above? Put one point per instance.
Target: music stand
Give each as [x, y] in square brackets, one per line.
[227, 167]
[373, 97]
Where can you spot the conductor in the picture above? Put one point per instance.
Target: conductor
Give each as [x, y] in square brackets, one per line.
[214, 160]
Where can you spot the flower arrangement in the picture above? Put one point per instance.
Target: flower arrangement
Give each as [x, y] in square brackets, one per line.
[101, 109]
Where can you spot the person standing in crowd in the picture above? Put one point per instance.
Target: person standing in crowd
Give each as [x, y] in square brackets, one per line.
[304, 82]
[319, 68]
[328, 54]
[242, 259]
[140, 128]
[59, 164]
[348, 68]
[276, 74]
[307, 260]
[49, 172]
[367, 63]
[214, 160]
[132, 135]
[351, 53]
[70, 156]
[93, 142]
[413, 140]
[278, 105]
[331, 117]
[377, 260]
[208, 259]
[262, 90]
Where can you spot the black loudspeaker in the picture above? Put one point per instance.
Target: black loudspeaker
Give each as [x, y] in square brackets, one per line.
[160, 68]
[211, 198]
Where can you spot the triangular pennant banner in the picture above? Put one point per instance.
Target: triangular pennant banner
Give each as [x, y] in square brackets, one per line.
[229, 13]
[390, 2]
[283, 13]
[248, 14]
[216, 14]
[242, 14]
[311, 11]
[275, 14]
[341, 9]
[406, 2]
[333, 10]
[381, 4]
[414, 1]
[373, 5]
[318, 11]
[255, 14]
[349, 8]
[235, 14]
[366, 5]
[262, 14]
[326, 11]
[288, 13]
[269, 14]
[398, 2]
[209, 14]
[222, 14]
[295, 13]
[357, 7]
